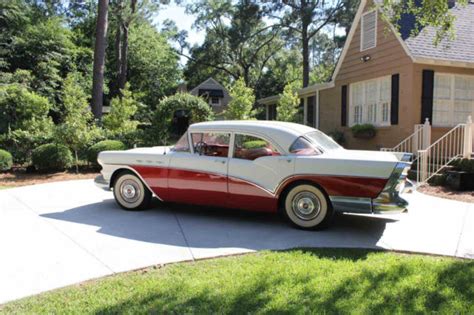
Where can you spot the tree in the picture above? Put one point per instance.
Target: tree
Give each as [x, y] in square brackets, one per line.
[153, 65]
[306, 19]
[76, 130]
[238, 42]
[122, 109]
[241, 105]
[99, 58]
[288, 103]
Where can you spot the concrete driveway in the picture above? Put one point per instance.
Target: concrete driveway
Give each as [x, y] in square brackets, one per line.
[57, 234]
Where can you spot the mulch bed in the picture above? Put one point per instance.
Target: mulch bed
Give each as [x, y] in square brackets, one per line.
[444, 192]
[20, 177]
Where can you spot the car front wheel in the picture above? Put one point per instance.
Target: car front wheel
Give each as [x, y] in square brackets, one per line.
[130, 192]
[307, 207]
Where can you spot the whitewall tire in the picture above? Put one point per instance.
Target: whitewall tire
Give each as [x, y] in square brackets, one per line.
[130, 192]
[307, 207]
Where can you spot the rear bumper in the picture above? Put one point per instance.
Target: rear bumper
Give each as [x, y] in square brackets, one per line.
[100, 182]
[389, 200]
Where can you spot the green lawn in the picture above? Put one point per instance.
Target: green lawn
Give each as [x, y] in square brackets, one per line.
[4, 187]
[297, 281]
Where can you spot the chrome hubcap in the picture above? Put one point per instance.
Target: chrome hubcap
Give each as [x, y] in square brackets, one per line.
[306, 205]
[130, 191]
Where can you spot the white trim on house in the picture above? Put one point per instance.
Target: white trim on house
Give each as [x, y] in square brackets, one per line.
[362, 34]
[443, 62]
[312, 89]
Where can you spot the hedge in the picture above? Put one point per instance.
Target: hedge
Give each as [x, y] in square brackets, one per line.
[104, 145]
[52, 157]
[6, 160]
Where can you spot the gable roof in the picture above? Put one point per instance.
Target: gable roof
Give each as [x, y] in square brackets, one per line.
[460, 49]
[421, 48]
[209, 80]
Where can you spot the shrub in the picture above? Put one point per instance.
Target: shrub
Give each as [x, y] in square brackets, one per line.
[52, 157]
[466, 165]
[6, 160]
[242, 100]
[105, 145]
[338, 136]
[365, 131]
[287, 107]
[162, 123]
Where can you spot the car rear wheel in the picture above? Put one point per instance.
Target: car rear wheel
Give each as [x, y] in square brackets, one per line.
[307, 207]
[130, 192]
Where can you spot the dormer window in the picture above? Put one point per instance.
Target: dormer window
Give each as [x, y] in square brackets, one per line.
[368, 30]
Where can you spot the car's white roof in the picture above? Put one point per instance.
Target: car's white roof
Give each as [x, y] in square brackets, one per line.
[282, 133]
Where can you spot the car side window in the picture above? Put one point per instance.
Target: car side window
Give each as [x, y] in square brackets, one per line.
[182, 145]
[301, 146]
[248, 147]
[211, 144]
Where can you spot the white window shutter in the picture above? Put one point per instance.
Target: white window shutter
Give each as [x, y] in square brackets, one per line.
[368, 32]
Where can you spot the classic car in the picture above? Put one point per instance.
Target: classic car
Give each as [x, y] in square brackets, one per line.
[260, 166]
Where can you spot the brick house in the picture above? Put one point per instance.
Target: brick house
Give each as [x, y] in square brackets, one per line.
[393, 81]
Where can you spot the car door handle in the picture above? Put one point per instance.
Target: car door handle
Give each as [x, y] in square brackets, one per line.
[219, 161]
[285, 159]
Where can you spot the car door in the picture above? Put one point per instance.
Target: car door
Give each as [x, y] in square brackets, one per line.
[256, 168]
[201, 177]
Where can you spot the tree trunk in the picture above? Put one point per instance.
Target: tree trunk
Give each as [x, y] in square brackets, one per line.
[122, 78]
[305, 44]
[99, 59]
[118, 55]
[77, 161]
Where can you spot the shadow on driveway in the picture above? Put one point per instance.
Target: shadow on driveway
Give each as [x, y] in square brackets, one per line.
[204, 227]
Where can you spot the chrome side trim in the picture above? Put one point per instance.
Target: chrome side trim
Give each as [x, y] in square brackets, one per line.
[351, 204]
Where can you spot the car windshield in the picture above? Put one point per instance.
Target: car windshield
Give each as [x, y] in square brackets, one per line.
[322, 141]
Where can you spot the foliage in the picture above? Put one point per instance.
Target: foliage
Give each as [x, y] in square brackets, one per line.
[104, 145]
[162, 124]
[287, 106]
[242, 100]
[21, 142]
[464, 165]
[433, 13]
[52, 157]
[76, 130]
[24, 121]
[338, 136]
[6, 160]
[122, 109]
[238, 43]
[20, 108]
[364, 131]
[153, 68]
[254, 144]
[322, 281]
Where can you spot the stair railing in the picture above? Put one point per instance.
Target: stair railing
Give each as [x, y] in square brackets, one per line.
[420, 139]
[455, 144]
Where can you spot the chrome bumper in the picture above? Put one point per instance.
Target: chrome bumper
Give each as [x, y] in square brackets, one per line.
[100, 182]
[389, 200]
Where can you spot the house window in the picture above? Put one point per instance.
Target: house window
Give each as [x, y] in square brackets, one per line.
[215, 101]
[368, 30]
[453, 99]
[370, 102]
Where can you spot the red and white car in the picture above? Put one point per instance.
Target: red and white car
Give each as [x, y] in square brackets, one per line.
[259, 166]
